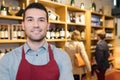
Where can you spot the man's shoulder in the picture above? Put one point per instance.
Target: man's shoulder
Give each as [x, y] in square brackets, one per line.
[58, 51]
[15, 51]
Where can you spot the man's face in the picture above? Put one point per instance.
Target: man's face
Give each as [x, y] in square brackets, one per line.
[35, 24]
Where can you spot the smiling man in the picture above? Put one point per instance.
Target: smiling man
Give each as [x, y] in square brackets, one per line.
[36, 59]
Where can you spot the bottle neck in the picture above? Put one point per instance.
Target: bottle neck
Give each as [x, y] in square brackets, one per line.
[3, 3]
[23, 6]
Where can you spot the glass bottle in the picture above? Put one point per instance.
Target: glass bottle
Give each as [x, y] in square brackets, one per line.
[14, 35]
[62, 33]
[20, 13]
[18, 33]
[52, 33]
[93, 6]
[22, 33]
[2, 32]
[6, 32]
[48, 34]
[82, 6]
[57, 33]
[72, 2]
[3, 8]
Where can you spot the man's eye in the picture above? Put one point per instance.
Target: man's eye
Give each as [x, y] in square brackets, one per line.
[42, 20]
[29, 19]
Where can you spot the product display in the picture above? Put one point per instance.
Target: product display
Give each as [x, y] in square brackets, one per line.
[63, 20]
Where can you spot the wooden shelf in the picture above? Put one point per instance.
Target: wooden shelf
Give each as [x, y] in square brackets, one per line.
[11, 17]
[56, 40]
[57, 22]
[51, 3]
[99, 27]
[75, 9]
[96, 13]
[76, 24]
[12, 41]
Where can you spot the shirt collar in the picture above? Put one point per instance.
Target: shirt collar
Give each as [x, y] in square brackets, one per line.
[27, 48]
[99, 41]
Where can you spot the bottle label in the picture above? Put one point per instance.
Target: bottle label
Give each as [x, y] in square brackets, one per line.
[3, 12]
[2, 34]
[62, 33]
[48, 35]
[22, 34]
[14, 34]
[6, 34]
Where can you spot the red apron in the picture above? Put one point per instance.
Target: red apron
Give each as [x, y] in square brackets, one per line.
[27, 71]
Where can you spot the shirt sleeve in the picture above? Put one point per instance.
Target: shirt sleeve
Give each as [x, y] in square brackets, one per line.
[64, 63]
[85, 56]
[4, 73]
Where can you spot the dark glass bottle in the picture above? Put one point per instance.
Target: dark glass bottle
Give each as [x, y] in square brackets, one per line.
[82, 6]
[72, 3]
[14, 34]
[93, 6]
[22, 33]
[2, 32]
[3, 8]
[6, 32]
[18, 33]
[21, 11]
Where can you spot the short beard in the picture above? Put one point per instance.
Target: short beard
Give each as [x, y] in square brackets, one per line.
[37, 40]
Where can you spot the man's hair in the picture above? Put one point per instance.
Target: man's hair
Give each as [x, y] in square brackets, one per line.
[37, 6]
[102, 36]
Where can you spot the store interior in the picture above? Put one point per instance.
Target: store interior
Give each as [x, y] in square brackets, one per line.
[95, 16]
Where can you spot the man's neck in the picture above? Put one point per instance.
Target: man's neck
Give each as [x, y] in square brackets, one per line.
[34, 45]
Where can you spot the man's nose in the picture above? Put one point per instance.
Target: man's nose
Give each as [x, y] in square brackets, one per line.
[36, 24]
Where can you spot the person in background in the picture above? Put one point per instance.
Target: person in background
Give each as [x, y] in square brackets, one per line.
[36, 59]
[101, 56]
[70, 48]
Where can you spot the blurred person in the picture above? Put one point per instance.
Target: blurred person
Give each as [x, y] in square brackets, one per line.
[70, 48]
[101, 56]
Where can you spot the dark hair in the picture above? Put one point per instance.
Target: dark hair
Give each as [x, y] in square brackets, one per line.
[102, 36]
[37, 6]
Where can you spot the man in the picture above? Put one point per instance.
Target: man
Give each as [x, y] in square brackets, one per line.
[36, 59]
[101, 56]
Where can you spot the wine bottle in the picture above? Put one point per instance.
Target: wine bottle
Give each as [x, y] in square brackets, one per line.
[57, 33]
[72, 3]
[52, 33]
[82, 5]
[68, 34]
[93, 6]
[22, 33]
[6, 32]
[14, 35]
[2, 32]
[20, 12]
[3, 8]
[48, 34]
[62, 33]
[18, 33]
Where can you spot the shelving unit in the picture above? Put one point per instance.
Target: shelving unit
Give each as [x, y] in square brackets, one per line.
[106, 23]
[79, 25]
[110, 37]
